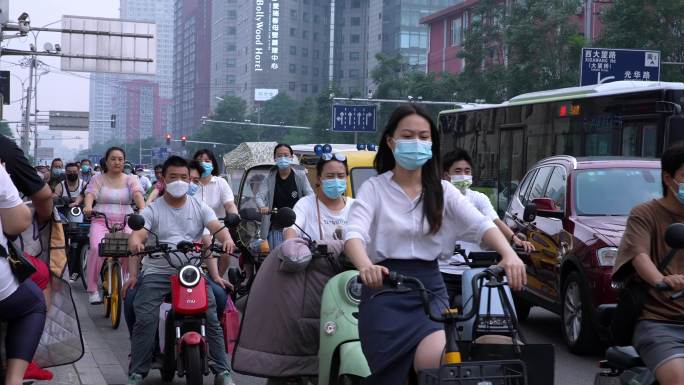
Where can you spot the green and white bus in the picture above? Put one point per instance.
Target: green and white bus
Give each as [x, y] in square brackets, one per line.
[624, 118]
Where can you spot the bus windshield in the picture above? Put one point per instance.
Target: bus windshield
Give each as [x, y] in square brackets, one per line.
[615, 191]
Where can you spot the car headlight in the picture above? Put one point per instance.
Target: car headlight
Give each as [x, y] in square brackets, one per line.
[354, 289]
[607, 256]
[189, 276]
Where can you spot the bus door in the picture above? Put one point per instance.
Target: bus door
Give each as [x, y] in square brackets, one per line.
[511, 165]
[639, 137]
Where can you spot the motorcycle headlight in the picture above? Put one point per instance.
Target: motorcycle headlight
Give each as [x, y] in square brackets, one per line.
[607, 256]
[354, 290]
[189, 276]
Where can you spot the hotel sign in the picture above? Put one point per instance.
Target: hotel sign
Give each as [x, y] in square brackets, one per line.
[267, 34]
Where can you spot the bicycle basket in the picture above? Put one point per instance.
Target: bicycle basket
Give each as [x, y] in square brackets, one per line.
[509, 372]
[114, 245]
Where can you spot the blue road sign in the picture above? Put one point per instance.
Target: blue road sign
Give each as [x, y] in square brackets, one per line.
[94, 158]
[603, 65]
[353, 118]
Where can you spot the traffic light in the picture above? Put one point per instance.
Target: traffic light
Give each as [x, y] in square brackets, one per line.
[112, 121]
[184, 140]
[168, 139]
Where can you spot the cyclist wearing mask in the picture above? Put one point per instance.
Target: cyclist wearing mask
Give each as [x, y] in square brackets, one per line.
[659, 333]
[114, 192]
[22, 305]
[174, 218]
[322, 215]
[216, 193]
[159, 186]
[403, 220]
[86, 171]
[283, 187]
[56, 172]
[145, 182]
[72, 187]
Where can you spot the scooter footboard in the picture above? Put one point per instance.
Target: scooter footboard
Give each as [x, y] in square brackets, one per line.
[352, 360]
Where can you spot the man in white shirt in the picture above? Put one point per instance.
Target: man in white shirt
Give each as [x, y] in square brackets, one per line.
[145, 182]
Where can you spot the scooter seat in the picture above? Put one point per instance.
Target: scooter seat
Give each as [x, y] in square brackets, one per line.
[623, 357]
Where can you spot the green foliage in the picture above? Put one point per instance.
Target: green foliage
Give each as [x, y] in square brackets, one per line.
[648, 24]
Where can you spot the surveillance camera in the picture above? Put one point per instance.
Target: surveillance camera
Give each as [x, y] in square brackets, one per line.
[58, 48]
[48, 47]
[32, 47]
[23, 17]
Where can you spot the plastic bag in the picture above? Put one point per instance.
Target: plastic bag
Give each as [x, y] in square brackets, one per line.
[230, 322]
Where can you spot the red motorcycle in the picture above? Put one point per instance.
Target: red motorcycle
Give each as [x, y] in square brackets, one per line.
[185, 349]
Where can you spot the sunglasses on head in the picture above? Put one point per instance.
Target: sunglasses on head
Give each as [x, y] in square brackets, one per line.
[330, 156]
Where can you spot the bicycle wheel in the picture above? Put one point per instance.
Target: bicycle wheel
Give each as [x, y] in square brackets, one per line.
[85, 249]
[115, 297]
[106, 301]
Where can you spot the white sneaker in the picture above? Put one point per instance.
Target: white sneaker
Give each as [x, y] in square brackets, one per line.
[95, 298]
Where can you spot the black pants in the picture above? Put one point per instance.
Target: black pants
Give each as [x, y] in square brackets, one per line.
[24, 312]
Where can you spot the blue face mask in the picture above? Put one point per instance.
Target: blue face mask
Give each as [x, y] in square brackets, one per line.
[192, 189]
[283, 162]
[85, 169]
[208, 168]
[334, 188]
[412, 154]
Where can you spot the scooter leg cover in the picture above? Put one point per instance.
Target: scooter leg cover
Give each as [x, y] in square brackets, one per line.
[352, 360]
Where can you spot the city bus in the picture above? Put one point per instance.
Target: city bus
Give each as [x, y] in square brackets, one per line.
[623, 118]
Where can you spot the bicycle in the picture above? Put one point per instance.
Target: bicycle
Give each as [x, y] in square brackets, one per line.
[113, 246]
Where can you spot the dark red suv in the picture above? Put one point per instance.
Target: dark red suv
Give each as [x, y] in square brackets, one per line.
[574, 211]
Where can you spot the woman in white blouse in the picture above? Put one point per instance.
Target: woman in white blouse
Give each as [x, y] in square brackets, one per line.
[403, 220]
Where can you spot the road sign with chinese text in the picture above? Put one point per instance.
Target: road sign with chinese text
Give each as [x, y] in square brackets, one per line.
[604, 65]
[348, 118]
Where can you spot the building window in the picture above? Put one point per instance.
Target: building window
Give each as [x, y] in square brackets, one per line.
[304, 88]
[315, 36]
[316, 71]
[355, 21]
[293, 32]
[314, 88]
[230, 63]
[354, 56]
[293, 50]
[305, 52]
[292, 86]
[293, 13]
[355, 39]
[305, 17]
[231, 31]
[230, 79]
[317, 19]
[316, 54]
[305, 34]
[356, 3]
[232, 15]
[293, 68]
[354, 74]
[305, 70]
[456, 31]
[231, 48]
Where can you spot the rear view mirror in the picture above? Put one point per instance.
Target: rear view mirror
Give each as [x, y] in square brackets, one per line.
[530, 213]
[250, 214]
[546, 208]
[674, 236]
[285, 217]
[231, 220]
[136, 222]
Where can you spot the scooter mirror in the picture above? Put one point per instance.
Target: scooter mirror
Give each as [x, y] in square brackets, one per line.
[231, 220]
[250, 214]
[674, 236]
[136, 222]
[285, 217]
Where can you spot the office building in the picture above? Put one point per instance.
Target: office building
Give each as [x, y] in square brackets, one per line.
[223, 50]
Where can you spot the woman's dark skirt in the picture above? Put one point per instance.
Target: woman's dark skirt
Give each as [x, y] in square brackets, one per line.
[391, 325]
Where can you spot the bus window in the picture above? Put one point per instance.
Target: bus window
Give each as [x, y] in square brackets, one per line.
[649, 143]
[511, 168]
[629, 140]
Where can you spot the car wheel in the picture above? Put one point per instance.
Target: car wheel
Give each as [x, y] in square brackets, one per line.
[578, 330]
[522, 308]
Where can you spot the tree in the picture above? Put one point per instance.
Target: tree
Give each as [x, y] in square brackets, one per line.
[230, 108]
[6, 130]
[648, 24]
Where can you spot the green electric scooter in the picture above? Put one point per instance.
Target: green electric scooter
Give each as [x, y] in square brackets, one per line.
[341, 360]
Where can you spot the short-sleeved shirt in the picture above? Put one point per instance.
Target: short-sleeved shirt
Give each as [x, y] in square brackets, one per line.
[9, 198]
[285, 194]
[174, 225]
[330, 221]
[216, 194]
[393, 226]
[645, 234]
[20, 171]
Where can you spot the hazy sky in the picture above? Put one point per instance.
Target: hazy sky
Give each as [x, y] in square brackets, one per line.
[57, 90]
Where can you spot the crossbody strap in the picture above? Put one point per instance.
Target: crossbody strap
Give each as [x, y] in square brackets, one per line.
[320, 227]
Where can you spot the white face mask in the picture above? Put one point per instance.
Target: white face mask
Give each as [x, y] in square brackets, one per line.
[462, 182]
[178, 188]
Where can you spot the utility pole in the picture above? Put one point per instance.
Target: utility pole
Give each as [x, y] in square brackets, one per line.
[588, 20]
[25, 141]
[35, 107]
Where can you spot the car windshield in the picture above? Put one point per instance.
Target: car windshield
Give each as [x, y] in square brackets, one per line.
[615, 191]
